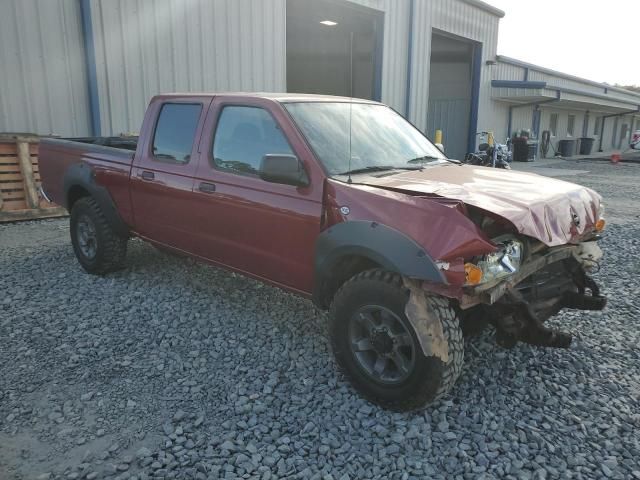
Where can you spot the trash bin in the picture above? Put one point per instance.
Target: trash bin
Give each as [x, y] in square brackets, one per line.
[586, 145]
[566, 147]
[532, 150]
[520, 149]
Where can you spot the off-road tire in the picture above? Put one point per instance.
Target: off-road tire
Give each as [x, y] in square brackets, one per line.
[430, 378]
[111, 248]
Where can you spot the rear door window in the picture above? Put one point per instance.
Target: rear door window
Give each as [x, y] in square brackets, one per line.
[244, 135]
[176, 131]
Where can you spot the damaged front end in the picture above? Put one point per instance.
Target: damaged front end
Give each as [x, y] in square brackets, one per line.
[547, 280]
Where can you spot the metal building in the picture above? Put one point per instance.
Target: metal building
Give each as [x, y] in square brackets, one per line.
[80, 67]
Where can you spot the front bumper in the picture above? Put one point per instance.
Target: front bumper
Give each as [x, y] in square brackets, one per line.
[519, 305]
[491, 292]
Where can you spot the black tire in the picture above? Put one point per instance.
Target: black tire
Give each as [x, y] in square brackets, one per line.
[429, 378]
[107, 251]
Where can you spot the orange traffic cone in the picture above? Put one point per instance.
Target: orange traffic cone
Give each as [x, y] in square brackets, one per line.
[615, 157]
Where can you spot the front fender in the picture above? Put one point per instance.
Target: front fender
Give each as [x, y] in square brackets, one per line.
[387, 247]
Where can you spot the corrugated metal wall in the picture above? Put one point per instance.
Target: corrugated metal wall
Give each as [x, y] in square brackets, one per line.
[146, 47]
[395, 49]
[457, 18]
[451, 16]
[43, 86]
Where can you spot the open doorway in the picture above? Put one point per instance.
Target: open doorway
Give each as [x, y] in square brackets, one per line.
[320, 58]
[451, 92]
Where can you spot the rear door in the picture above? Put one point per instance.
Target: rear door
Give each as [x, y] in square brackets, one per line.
[163, 171]
[264, 229]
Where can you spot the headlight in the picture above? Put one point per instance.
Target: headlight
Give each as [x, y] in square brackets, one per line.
[502, 263]
[600, 221]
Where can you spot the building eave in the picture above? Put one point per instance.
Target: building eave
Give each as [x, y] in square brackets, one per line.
[486, 7]
[523, 92]
[605, 87]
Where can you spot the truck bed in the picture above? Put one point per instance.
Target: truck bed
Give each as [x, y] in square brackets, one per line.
[110, 159]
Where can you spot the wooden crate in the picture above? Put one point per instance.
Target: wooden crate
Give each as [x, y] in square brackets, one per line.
[20, 181]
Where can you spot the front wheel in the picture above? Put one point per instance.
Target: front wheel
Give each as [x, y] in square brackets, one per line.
[377, 348]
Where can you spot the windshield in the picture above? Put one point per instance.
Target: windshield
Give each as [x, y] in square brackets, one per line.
[380, 138]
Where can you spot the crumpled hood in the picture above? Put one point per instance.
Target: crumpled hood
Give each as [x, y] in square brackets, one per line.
[553, 211]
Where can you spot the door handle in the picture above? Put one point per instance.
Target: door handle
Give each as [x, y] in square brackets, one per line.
[207, 187]
[146, 175]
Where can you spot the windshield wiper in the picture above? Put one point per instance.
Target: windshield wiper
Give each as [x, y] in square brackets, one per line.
[377, 168]
[427, 158]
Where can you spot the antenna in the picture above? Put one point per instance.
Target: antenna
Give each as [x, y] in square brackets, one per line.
[351, 100]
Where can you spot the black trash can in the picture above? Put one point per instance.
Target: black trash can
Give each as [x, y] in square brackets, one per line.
[566, 147]
[520, 149]
[586, 145]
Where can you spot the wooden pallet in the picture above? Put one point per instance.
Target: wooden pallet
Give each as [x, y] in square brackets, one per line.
[20, 181]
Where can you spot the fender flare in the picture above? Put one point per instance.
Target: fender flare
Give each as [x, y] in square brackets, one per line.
[82, 175]
[386, 246]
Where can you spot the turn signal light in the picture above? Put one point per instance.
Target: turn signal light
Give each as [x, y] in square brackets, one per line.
[472, 273]
[600, 225]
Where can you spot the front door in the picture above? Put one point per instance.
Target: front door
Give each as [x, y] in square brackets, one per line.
[162, 175]
[265, 229]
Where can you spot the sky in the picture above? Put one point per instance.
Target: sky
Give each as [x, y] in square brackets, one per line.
[595, 39]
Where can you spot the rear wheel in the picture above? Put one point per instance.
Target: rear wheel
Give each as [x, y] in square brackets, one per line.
[98, 248]
[377, 348]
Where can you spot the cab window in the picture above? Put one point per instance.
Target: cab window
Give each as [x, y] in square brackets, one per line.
[176, 131]
[243, 137]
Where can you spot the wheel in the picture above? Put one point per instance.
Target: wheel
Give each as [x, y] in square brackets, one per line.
[97, 247]
[377, 348]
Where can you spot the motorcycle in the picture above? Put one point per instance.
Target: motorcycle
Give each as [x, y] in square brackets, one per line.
[490, 154]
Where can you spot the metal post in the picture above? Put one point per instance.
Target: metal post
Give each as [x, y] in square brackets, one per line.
[92, 71]
[407, 101]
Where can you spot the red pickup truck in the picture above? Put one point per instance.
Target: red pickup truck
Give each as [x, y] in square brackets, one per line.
[345, 202]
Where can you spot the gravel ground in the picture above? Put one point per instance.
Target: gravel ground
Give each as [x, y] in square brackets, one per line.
[172, 369]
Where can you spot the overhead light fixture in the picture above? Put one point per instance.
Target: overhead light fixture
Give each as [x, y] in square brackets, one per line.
[329, 23]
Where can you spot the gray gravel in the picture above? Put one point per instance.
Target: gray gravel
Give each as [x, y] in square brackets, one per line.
[172, 369]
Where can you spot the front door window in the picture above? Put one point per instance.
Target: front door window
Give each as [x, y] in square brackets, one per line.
[244, 135]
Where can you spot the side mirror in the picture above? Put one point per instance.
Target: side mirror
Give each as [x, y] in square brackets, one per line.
[285, 169]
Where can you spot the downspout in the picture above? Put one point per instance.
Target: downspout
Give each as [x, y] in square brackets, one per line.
[604, 118]
[92, 71]
[407, 103]
[475, 96]
[379, 48]
[585, 124]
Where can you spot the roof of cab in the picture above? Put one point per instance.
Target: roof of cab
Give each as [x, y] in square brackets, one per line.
[278, 97]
